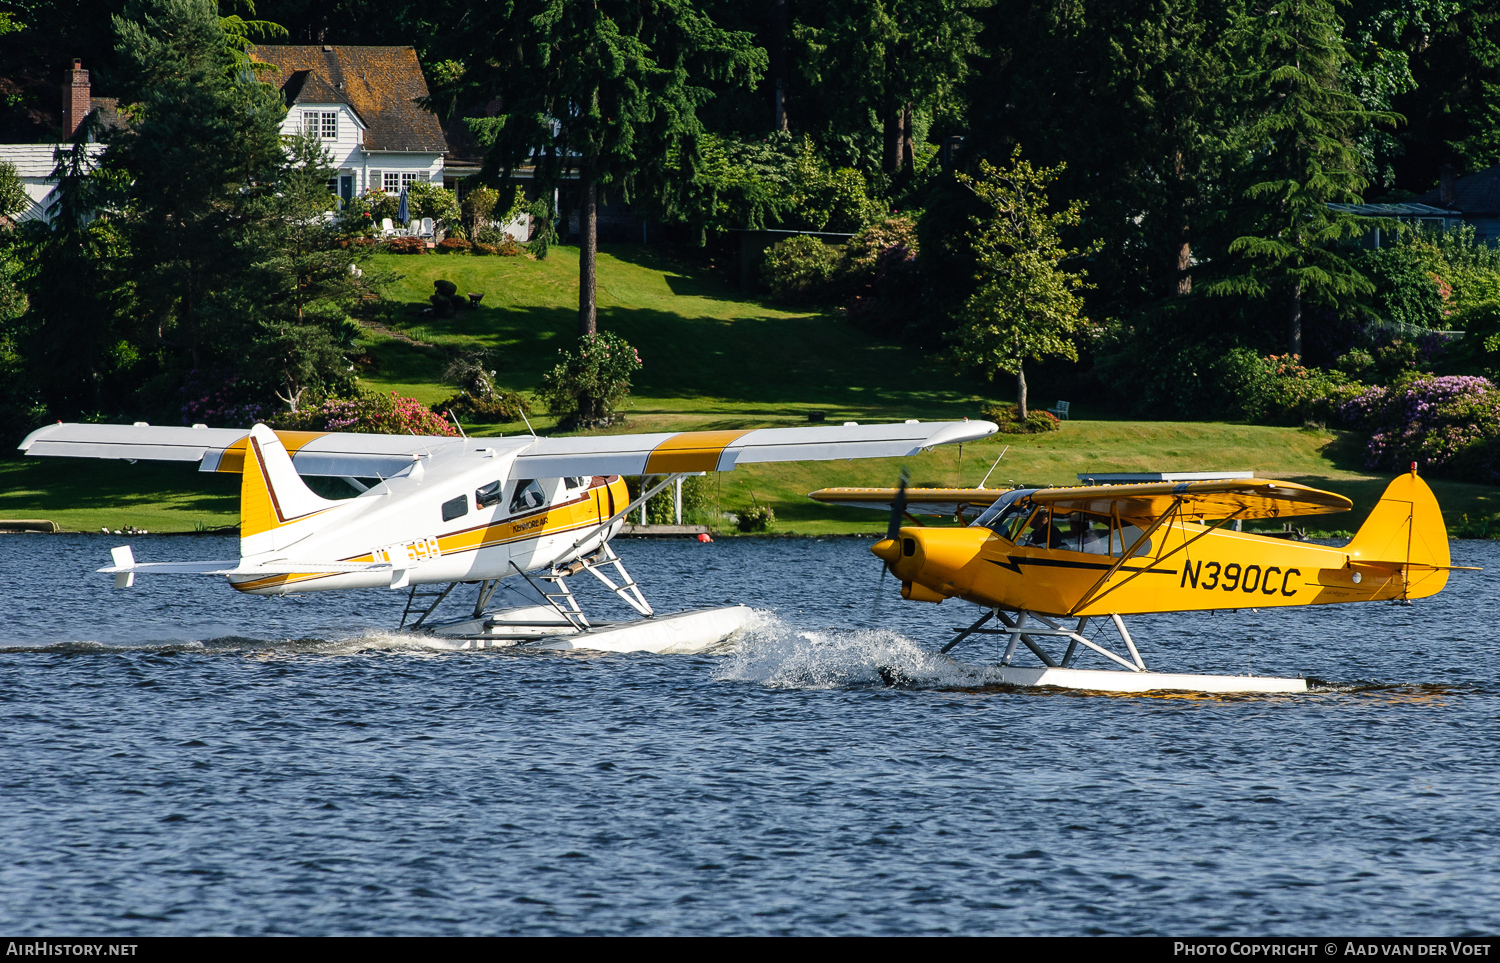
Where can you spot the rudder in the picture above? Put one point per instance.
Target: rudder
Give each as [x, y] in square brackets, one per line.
[273, 496]
[1407, 528]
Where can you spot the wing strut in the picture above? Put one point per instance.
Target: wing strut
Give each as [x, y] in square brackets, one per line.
[1181, 548]
[1125, 555]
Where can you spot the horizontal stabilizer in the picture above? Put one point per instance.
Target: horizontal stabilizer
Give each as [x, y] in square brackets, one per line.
[231, 567]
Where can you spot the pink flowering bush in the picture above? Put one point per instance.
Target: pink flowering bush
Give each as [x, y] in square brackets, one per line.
[1448, 424]
[375, 414]
[588, 385]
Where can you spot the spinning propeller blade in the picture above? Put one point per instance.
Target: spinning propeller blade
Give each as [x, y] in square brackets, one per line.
[898, 508]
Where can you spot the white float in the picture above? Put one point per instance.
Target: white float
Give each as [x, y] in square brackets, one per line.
[539, 627]
[1108, 680]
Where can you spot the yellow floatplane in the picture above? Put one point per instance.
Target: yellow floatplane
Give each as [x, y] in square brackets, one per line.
[1045, 563]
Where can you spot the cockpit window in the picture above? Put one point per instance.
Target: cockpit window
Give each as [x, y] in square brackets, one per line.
[528, 496]
[487, 495]
[1001, 516]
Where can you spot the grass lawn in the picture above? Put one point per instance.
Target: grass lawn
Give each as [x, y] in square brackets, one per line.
[717, 358]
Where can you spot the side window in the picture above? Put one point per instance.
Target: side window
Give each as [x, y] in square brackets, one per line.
[578, 482]
[528, 496]
[1086, 533]
[1125, 537]
[487, 495]
[455, 508]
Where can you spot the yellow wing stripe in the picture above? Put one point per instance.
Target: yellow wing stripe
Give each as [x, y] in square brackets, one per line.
[690, 451]
[233, 459]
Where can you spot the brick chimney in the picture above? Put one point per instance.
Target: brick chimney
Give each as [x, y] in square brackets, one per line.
[1447, 184]
[75, 98]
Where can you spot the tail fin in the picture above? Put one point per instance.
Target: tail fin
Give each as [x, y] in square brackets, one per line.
[1406, 528]
[273, 498]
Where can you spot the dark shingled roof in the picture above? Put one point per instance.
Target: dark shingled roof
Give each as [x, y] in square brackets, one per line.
[1479, 193]
[382, 85]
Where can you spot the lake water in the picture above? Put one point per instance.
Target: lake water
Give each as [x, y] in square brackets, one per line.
[182, 759]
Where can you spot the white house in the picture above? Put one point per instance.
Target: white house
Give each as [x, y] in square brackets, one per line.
[36, 162]
[363, 103]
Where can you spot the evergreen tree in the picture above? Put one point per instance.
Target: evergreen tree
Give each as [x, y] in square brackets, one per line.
[900, 61]
[605, 90]
[302, 283]
[1026, 304]
[1301, 141]
[202, 145]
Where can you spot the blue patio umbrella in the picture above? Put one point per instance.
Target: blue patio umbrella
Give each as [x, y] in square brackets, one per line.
[403, 213]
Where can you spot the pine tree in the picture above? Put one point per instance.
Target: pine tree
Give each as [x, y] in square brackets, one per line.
[203, 143]
[303, 282]
[1026, 305]
[1300, 139]
[602, 90]
[902, 61]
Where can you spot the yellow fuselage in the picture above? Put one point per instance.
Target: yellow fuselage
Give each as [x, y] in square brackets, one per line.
[1222, 569]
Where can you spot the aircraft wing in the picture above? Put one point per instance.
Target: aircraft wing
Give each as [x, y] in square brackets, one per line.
[698, 451]
[358, 455]
[919, 501]
[336, 454]
[1248, 498]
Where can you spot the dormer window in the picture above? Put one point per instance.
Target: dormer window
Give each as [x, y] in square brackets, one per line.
[323, 124]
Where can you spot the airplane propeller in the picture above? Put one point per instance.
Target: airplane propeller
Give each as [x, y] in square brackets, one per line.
[892, 532]
[898, 508]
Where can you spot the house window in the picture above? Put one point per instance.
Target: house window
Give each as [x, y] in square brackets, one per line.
[321, 123]
[394, 181]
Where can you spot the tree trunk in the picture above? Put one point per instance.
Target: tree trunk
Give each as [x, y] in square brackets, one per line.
[1183, 283]
[908, 154]
[1295, 317]
[778, 64]
[1021, 411]
[588, 246]
[893, 139]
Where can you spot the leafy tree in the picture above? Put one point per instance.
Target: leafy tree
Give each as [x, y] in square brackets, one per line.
[13, 198]
[1300, 138]
[1026, 304]
[605, 89]
[586, 388]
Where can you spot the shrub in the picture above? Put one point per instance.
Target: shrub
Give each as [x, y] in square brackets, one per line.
[1035, 423]
[879, 270]
[478, 206]
[482, 249]
[508, 247]
[800, 269]
[1449, 424]
[1279, 389]
[406, 245]
[760, 518]
[427, 199]
[498, 406]
[588, 385]
[370, 413]
[453, 245]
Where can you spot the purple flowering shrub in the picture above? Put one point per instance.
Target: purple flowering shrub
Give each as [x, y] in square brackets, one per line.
[219, 400]
[374, 414]
[1448, 424]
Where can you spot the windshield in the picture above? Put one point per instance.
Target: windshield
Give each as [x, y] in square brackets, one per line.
[997, 515]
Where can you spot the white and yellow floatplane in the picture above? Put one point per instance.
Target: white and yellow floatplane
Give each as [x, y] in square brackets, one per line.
[515, 517]
[1047, 564]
